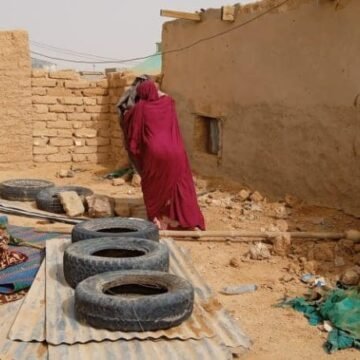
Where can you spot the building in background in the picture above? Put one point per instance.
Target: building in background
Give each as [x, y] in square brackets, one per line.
[152, 65]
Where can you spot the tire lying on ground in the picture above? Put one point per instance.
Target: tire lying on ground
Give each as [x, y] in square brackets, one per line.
[87, 258]
[23, 189]
[116, 226]
[134, 300]
[48, 200]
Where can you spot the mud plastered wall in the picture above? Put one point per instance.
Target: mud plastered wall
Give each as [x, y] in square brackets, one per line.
[286, 90]
[15, 98]
[75, 120]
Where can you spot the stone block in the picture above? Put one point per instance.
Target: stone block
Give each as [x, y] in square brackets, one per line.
[59, 91]
[136, 180]
[65, 133]
[79, 117]
[44, 100]
[61, 116]
[99, 206]
[41, 109]
[64, 75]
[39, 125]
[78, 158]
[61, 142]
[39, 73]
[71, 203]
[86, 133]
[40, 141]
[244, 194]
[61, 108]
[281, 245]
[90, 101]
[79, 142]
[118, 182]
[44, 150]
[40, 158]
[68, 100]
[77, 125]
[38, 91]
[59, 158]
[45, 132]
[81, 84]
[256, 197]
[59, 125]
[45, 117]
[95, 92]
[43, 82]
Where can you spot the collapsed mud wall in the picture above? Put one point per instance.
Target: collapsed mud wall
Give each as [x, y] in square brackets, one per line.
[284, 92]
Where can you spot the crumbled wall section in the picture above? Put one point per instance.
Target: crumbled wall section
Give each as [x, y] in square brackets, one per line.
[15, 98]
[75, 120]
[286, 88]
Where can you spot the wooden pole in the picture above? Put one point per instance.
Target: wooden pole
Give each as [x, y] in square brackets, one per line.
[181, 15]
[249, 235]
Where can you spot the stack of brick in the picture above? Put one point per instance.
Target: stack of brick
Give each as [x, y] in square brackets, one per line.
[75, 120]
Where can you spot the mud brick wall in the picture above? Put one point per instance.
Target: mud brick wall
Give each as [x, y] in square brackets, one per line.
[15, 98]
[75, 120]
[286, 91]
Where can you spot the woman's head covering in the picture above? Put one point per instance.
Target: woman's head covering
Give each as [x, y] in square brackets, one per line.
[147, 91]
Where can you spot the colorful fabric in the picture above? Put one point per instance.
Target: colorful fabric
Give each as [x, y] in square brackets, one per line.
[156, 148]
[6, 298]
[342, 309]
[7, 256]
[21, 276]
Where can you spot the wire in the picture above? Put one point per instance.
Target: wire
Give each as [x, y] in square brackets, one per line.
[68, 51]
[173, 50]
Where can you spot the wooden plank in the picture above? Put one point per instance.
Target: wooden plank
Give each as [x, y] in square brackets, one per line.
[250, 235]
[180, 15]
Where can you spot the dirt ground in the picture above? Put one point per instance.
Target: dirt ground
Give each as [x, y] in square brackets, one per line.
[275, 333]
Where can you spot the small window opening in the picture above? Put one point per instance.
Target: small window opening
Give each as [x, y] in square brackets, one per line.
[207, 135]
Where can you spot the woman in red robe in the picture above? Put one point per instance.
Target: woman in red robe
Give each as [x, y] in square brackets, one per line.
[156, 148]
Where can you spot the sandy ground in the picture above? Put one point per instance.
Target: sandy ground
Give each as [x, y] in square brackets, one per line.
[276, 333]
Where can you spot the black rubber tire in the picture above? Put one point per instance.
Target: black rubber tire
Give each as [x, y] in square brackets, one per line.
[96, 228]
[23, 189]
[48, 200]
[134, 313]
[80, 263]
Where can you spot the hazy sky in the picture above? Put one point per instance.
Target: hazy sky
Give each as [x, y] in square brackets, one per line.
[109, 28]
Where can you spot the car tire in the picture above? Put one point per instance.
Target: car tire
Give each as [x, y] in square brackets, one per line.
[134, 300]
[87, 258]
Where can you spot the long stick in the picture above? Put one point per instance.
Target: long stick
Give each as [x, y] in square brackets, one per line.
[250, 235]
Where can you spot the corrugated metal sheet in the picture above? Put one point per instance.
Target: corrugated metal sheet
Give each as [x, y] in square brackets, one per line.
[63, 327]
[11, 350]
[142, 349]
[33, 310]
[224, 325]
[226, 329]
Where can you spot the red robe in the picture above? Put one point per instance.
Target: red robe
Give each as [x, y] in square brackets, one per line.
[156, 147]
